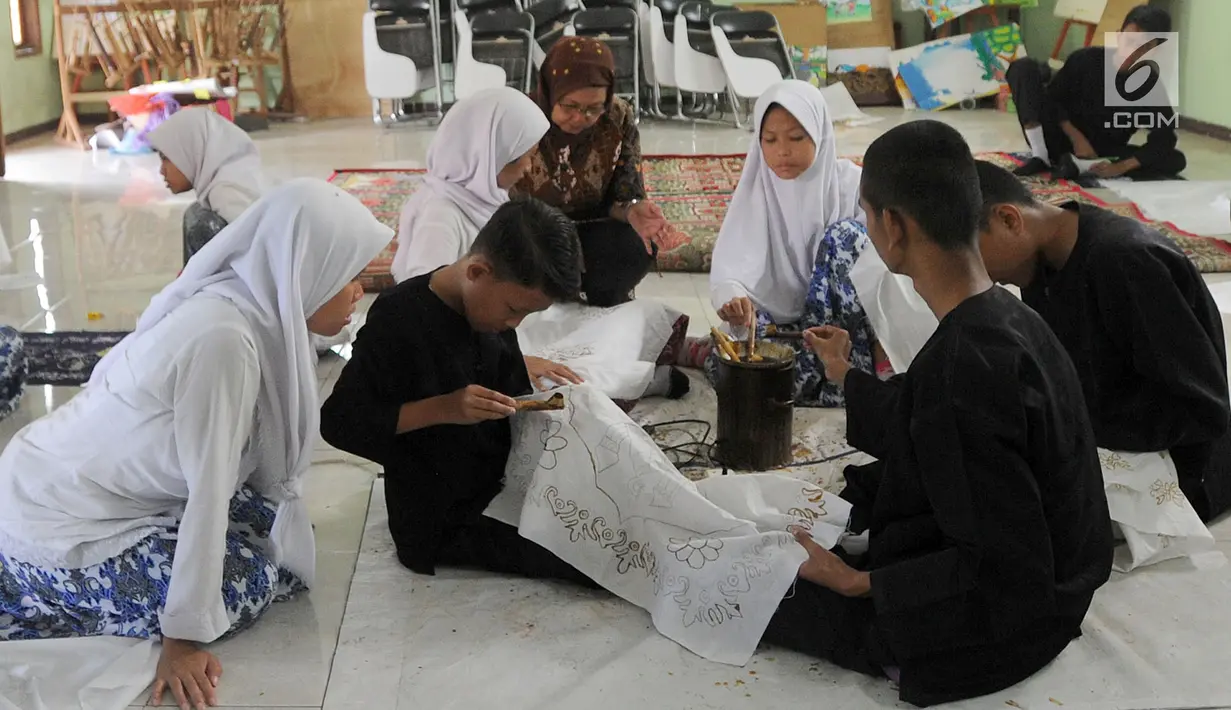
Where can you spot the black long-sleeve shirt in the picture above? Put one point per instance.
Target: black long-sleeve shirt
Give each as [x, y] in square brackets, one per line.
[1077, 91]
[1146, 336]
[411, 348]
[987, 521]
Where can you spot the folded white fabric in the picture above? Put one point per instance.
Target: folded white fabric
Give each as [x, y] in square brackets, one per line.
[1154, 516]
[613, 349]
[709, 561]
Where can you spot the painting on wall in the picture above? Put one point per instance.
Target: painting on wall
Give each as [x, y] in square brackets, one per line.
[811, 64]
[840, 11]
[948, 71]
[941, 11]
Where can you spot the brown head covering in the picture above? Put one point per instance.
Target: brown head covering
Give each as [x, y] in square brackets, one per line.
[575, 172]
[574, 63]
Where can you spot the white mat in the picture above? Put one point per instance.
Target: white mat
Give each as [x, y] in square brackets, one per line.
[1154, 639]
[1202, 208]
[100, 673]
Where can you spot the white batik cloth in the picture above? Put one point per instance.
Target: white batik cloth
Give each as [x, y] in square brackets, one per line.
[614, 350]
[1152, 513]
[710, 561]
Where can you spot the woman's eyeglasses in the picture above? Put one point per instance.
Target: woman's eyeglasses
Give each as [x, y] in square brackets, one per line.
[586, 112]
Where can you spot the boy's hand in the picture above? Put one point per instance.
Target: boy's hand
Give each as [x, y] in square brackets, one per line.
[474, 404]
[833, 346]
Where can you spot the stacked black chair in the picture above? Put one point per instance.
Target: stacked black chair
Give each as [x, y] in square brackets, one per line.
[503, 35]
[755, 33]
[618, 25]
[550, 19]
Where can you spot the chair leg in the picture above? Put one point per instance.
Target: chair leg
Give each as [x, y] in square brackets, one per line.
[735, 107]
[377, 117]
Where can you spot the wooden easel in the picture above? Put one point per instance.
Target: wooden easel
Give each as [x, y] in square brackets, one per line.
[1064, 34]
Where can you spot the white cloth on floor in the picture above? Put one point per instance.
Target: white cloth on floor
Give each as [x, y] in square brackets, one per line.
[97, 673]
[770, 238]
[1154, 516]
[1202, 208]
[478, 137]
[614, 350]
[709, 561]
[899, 316]
[216, 156]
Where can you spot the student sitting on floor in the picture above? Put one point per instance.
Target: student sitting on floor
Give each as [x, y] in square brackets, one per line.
[430, 386]
[987, 524]
[1069, 117]
[1138, 320]
[791, 238]
[204, 152]
[165, 498]
[482, 148]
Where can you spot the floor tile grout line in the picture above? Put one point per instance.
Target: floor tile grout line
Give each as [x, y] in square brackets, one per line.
[333, 658]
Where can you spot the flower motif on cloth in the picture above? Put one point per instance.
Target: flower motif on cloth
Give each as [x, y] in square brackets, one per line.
[695, 551]
[1167, 492]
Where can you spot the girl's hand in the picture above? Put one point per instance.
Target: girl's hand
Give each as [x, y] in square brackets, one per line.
[190, 672]
[538, 368]
[739, 313]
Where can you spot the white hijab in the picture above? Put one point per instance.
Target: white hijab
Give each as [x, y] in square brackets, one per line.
[478, 137]
[216, 156]
[279, 263]
[768, 243]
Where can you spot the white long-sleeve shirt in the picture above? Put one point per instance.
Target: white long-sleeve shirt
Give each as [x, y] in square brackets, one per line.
[441, 235]
[163, 439]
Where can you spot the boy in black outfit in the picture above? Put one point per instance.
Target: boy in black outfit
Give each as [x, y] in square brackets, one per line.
[430, 385]
[987, 523]
[1136, 317]
[1068, 116]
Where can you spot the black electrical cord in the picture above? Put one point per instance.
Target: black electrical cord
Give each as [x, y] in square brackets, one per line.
[700, 451]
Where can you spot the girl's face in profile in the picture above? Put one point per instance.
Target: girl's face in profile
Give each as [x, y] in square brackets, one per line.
[788, 149]
[176, 182]
[331, 318]
[510, 174]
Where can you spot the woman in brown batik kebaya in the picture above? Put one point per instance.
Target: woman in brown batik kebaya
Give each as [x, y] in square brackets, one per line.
[589, 166]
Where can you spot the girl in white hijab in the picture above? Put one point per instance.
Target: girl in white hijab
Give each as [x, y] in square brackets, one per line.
[792, 234]
[204, 152]
[165, 499]
[482, 148]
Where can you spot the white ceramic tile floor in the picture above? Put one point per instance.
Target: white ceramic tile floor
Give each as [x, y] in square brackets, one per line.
[94, 233]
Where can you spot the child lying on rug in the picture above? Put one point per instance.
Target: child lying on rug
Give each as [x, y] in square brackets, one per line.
[988, 531]
[615, 349]
[794, 240]
[1146, 336]
[430, 385]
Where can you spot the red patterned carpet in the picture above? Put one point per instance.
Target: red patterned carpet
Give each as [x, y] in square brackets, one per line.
[693, 191]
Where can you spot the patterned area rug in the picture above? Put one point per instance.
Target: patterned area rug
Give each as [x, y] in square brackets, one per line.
[66, 358]
[694, 190]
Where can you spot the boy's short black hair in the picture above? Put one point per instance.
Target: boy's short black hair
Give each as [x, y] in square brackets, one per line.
[1148, 18]
[1000, 187]
[533, 244]
[924, 170]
